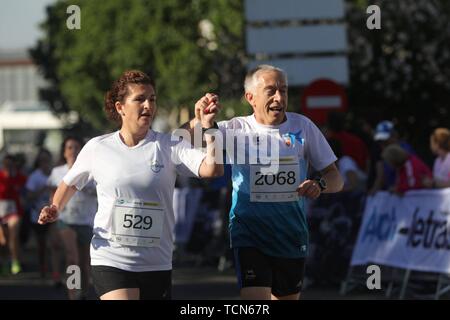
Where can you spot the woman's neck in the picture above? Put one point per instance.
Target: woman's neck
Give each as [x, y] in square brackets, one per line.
[131, 138]
[442, 153]
[70, 162]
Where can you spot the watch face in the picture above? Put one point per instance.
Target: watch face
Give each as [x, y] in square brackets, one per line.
[322, 183]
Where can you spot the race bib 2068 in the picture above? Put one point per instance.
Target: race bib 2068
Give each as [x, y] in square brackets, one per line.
[277, 186]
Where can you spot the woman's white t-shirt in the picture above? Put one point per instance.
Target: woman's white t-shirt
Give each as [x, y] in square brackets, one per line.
[81, 208]
[142, 174]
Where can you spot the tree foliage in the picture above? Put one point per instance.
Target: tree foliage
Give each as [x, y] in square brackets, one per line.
[402, 71]
[189, 47]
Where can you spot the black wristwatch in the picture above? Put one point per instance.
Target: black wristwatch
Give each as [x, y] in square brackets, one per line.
[215, 126]
[321, 182]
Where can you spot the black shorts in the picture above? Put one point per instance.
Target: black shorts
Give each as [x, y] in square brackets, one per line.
[83, 232]
[255, 269]
[41, 229]
[152, 285]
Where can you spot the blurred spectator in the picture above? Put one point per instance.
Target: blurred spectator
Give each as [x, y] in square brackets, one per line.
[38, 196]
[20, 159]
[366, 131]
[21, 163]
[76, 219]
[385, 174]
[186, 203]
[201, 224]
[3, 266]
[354, 177]
[11, 184]
[386, 134]
[440, 146]
[351, 145]
[412, 173]
[2, 238]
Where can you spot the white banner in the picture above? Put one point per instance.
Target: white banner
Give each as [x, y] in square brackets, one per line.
[281, 10]
[303, 39]
[302, 71]
[410, 232]
[309, 30]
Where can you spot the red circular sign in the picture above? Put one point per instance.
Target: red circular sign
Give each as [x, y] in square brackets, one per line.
[321, 97]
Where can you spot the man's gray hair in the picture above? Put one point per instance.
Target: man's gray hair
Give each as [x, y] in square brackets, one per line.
[252, 77]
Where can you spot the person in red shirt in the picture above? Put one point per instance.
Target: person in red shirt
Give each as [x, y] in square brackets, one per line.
[412, 173]
[11, 183]
[351, 145]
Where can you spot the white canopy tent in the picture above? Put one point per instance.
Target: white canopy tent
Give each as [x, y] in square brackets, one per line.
[27, 118]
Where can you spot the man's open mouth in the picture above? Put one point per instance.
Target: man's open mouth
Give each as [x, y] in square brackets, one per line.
[276, 109]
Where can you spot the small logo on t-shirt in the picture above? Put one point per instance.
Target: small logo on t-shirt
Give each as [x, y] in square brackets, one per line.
[156, 166]
[250, 275]
[289, 139]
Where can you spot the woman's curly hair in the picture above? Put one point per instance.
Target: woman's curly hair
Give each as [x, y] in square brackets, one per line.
[119, 91]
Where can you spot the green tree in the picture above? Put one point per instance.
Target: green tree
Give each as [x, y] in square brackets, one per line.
[402, 72]
[189, 47]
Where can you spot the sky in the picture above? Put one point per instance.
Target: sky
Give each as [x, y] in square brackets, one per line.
[19, 22]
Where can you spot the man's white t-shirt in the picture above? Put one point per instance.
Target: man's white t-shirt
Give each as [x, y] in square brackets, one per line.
[133, 182]
[266, 211]
[311, 144]
[36, 181]
[81, 208]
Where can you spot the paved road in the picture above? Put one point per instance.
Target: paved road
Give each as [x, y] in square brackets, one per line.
[189, 283]
[191, 280]
[199, 283]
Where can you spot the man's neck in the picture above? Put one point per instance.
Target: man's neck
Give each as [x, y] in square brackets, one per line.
[262, 122]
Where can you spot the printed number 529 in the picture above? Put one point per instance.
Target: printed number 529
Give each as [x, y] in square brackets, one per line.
[137, 221]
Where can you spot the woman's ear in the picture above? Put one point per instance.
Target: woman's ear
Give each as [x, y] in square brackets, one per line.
[119, 108]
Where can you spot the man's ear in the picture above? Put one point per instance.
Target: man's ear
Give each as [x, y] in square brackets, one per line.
[250, 98]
